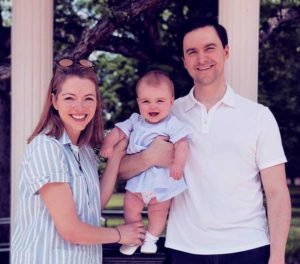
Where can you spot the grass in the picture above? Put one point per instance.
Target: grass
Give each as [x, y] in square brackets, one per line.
[294, 190]
[115, 202]
[293, 245]
[115, 221]
[296, 210]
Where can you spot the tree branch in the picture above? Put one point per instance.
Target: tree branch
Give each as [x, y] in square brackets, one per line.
[125, 12]
[283, 16]
[125, 46]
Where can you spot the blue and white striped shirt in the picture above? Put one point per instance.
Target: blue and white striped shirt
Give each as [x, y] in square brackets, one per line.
[35, 239]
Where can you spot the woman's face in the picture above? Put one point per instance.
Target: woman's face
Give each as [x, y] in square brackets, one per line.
[76, 104]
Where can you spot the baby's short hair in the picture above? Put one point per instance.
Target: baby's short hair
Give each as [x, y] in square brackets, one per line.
[155, 78]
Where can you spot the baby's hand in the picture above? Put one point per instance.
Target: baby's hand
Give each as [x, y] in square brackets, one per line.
[106, 152]
[176, 172]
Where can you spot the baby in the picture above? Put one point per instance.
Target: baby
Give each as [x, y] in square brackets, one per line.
[156, 186]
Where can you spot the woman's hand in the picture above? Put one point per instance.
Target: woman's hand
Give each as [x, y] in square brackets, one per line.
[132, 234]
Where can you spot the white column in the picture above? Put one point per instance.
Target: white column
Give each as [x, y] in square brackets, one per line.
[241, 19]
[32, 41]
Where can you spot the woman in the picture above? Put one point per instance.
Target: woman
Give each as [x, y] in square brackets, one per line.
[58, 217]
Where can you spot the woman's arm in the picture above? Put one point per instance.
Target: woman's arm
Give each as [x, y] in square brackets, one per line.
[109, 176]
[111, 139]
[61, 207]
[160, 153]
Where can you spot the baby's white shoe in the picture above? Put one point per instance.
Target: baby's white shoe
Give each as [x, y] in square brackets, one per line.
[128, 249]
[149, 246]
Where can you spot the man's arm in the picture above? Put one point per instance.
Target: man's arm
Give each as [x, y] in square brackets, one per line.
[279, 210]
[160, 153]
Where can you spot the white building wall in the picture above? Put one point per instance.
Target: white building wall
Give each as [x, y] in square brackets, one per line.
[241, 19]
[32, 41]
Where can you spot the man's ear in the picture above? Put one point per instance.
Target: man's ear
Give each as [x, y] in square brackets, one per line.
[226, 51]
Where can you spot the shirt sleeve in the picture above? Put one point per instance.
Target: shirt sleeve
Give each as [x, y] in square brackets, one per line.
[269, 145]
[46, 163]
[177, 130]
[127, 125]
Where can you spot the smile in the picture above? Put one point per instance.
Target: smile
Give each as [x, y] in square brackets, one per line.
[204, 68]
[79, 117]
[153, 114]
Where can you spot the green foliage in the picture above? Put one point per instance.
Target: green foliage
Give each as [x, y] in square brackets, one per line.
[279, 86]
[118, 78]
[119, 73]
[155, 43]
[293, 244]
[5, 8]
[71, 18]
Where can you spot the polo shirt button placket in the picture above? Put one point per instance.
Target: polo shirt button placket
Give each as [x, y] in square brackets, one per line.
[205, 126]
[204, 118]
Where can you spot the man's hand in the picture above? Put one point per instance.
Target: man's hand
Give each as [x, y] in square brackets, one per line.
[160, 153]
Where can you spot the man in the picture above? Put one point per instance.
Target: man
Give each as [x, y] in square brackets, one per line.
[235, 149]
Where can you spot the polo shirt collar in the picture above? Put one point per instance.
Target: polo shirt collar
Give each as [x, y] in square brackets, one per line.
[190, 100]
[228, 98]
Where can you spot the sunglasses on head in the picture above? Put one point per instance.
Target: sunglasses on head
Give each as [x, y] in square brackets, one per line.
[67, 62]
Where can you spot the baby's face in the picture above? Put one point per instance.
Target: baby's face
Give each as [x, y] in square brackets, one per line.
[155, 102]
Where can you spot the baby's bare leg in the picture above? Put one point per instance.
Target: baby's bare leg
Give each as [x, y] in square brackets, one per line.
[157, 216]
[133, 207]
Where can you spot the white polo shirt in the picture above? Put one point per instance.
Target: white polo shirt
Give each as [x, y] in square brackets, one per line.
[222, 210]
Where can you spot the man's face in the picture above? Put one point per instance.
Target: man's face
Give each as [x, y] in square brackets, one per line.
[204, 56]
